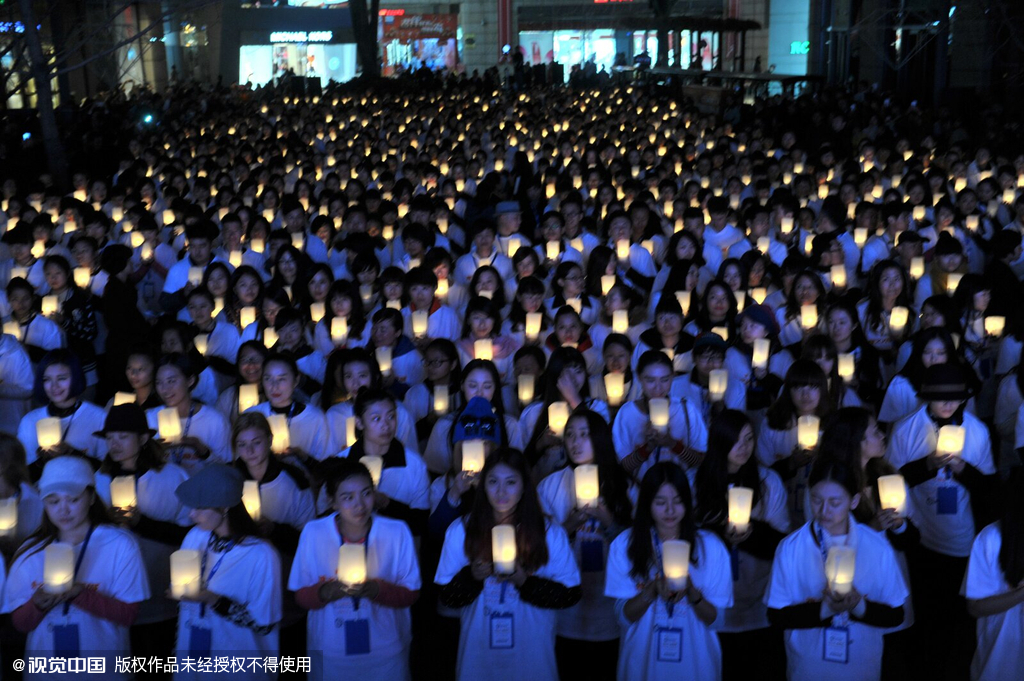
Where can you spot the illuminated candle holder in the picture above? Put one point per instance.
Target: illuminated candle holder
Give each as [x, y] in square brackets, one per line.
[847, 366]
[808, 430]
[483, 349]
[503, 549]
[419, 323]
[558, 416]
[741, 500]
[247, 316]
[533, 321]
[251, 499]
[351, 564]
[280, 433]
[808, 316]
[8, 516]
[762, 347]
[440, 399]
[48, 432]
[587, 487]
[892, 493]
[718, 381]
[123, 494]
[383, 355]
[526, 386]
[839, 568]
[994, 326]
[317, 311]
[659, 410]
[58, 567]
[620, 321]
[248, 397]
[186, 569]
[951, 440]
[675, 563]
[898, 319]
[614, 388]
[473, 455]
[83, 275]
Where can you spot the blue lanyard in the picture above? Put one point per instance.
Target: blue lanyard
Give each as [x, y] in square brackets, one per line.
[78, 564]
[216, 566]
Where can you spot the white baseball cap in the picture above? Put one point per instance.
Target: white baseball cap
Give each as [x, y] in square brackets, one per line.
[66, 475]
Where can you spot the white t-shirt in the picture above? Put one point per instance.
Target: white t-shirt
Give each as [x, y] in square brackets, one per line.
[947, 529]
[663, 645]
[498, 613]
[209, 426]
[113, 564]
[593, 618]
[77, 430]
[337, 418]
[408, 484]
[390, 557]
[307, 430]
[249, 574]
[798, 576]
[998, 655]
[438, 453]
[16, 382]
[685, 424]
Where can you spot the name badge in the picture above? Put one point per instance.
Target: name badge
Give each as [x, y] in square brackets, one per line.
[946, 500]
[65, 641]
[200, 641]
[670, 644]
[357, 637]
[837, 645]
[503, 636]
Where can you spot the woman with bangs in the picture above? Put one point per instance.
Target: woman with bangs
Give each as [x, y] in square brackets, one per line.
[667, 333]
[343, 301]
[482, 322]
[529, 299]
[805, 393]
[888, 288]
[844, 329]
[246, 290]
[717, 308]
[931, 346]
[807, 289]
[822, 351]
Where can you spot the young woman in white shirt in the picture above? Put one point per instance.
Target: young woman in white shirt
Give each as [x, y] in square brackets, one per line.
[805, 393]
[507, 620]
[92, 617]
[749, 645]
[364, 630]
[994, 588]
[343, 301]
[308, 440]
[59, 385]
[248, 371]
[440, 368]
[204, 431]
[830, 634]
[238, 604]
[666, 629]
[157, 521]
[588, 630]
[930, 347]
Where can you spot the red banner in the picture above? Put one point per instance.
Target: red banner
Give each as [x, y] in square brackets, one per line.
[420, 27]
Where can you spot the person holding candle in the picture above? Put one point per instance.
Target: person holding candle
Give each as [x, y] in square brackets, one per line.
[344, 304]
[979, 345]
[83, 608]
[349, 371]
[822, 351]
[717, 308]
[273, 301]
[948, 263]
[200, 236]
[140, 375]
[204, 430]
[426, 402]
[290, 326]
[638, 444]
[252, 355]
[222, 338]
[569, 331]
[487, 282]
[887, 314]
[568, 286]
[665, 626]
[842, 325]
[76, 314]
[363, 628]
[992, 586]
[177, 338]
[156, 519]
[402, 490]
[507, 600]
[709, 353]
[588, 629]
[482, 253]
[482, 323]
[807, 292]
[529, 300]
[59, 385]
[756, 360]
[16, 383]
[834, 623]
[406, 361]
[39, 334]
[804, 395]
[234, 603]
[245, 290]
[931, 347]
[617, 351]
[421, 290]
[618, 306]
[666, 333]
[17, 491]
[748, 643]
[950, 484]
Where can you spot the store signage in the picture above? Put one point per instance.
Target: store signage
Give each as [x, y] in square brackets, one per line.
[421, 27]
[800, 47]
[603, 2]
[301, 37]
[391, 13]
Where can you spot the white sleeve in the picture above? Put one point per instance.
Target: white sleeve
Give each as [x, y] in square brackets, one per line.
[264, 603]
[618, 583]
[128, 580]
[779, 593]
[716, 577]
[561, 566]
[776, 505]
[407, 563]
[984, 576]
[453, 554]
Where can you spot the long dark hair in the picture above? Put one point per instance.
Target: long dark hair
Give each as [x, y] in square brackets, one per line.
[873, 317]
[611, 476]
[639, 549]
[842, 437]
[801, 373]
[528, 518]
[1011, 526]
[47, 532]
[914, 369]
[712, 483]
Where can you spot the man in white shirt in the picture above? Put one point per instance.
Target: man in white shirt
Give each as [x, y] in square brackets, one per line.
[719, 235]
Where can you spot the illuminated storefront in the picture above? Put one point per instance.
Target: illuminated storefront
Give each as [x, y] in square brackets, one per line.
[411, 41]
[312, 54]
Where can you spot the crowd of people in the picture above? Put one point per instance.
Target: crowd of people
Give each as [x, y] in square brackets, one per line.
[477, 384]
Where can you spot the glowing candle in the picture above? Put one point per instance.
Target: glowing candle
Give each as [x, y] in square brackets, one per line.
[366, 292]
[442, 289]
[375, 465]
[952, 281]
[269, 337]
[202, 343]
[607, 282]
[298, 240]
[419, 323]
[587, 488]
[553, 249]
[659, 414]
[123, 398]
[675, 563]
[247, 316]
[218, 305]
[762, 346]
[473, 453]
[683, 297]
[620, 321]
[352, 564]
[614, 387]
[839, 567]
[718, 380]
[808, 430]
[339, 330]
[994, 325]
[350, 431]
[622, 249]
[759, 294]
[185, 573]
[248, 397]
[860, 236]
[763, 244]
[526, 383]
[39, 249]
[122, 492]
[892, 493]
[808, 316]
[503, 549]
[917, 267]
[786, 225]
[83, 275]
[251, 499]
[1009, 196]
[838, 275]
[8, 516]
[898, 319]
[440, 399]
[483, 349]
[971, 222]
[383, 355]
[558, 415]
[847, 365]
[19, 272]
[48, 432]
[257, 245]
[58, 567]
[721, 331]
[50, 305]
[919, 213]
[741, 500]
[648, 245]
[279, 430]
[533, 320]
[317, 311]
[13, 329]
[195, 275]
[951, 440]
